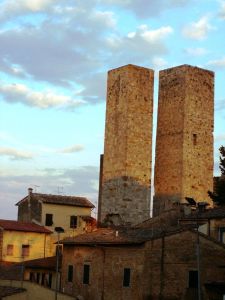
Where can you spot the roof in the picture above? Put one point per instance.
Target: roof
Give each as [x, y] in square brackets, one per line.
[59, 199]
[122, 236]
[48, 263]
[130, 236]
[22, 226]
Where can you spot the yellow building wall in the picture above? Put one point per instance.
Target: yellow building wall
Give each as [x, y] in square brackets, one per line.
[61, 218]
[40, 245]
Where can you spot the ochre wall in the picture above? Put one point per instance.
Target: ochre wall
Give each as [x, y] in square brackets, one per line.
[40, 245]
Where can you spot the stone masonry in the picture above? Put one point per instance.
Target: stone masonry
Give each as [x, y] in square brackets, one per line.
[126, 172]
[184, 142]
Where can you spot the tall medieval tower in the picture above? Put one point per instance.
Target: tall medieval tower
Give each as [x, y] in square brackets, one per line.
[184, 142]
[125, 179]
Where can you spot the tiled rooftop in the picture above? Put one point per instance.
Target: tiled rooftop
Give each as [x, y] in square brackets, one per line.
[22, 226]
[60, 200]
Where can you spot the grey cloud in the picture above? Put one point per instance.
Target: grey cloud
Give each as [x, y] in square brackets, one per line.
[78, 181]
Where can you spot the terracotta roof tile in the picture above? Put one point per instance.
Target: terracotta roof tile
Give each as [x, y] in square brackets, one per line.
[60, 200]
[23, 226]
[43, 263]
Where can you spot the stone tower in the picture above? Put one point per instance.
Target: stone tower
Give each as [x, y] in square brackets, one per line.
[184, 142]
[124, 197]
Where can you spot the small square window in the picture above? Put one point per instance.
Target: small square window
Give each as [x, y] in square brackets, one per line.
[25, 250]
[73, 221]
[9, 250]
[126, 277]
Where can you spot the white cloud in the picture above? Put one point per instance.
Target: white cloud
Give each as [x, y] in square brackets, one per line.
[152, 36]
[43, 99]
[159, 62]
[217, 63]
[72, 149]
[15, 154]
[198, 30]
[222, 10]
[196, 51]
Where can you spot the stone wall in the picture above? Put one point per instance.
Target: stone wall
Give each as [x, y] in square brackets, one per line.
[128, 144]
[184, 143]
[159, 269]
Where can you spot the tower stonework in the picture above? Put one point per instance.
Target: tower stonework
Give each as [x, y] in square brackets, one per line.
[184, 142]
[126, 171]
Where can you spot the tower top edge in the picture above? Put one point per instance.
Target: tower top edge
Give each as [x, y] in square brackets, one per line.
[186, 67]
[131, 66]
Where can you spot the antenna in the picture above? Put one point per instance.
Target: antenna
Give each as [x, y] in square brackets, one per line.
[60, 190]
[35, 187]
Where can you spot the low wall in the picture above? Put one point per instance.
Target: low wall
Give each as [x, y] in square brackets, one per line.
[33, 291]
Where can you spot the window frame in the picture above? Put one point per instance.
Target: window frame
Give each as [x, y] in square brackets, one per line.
[70, 272]
[25, 250]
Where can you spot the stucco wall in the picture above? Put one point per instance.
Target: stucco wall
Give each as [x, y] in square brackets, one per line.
[40, 245]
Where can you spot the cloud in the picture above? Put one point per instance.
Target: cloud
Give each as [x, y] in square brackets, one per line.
[220, 138]
[42, 99]
[81, 181]
[222, 10]
[198, 30]
[72, 149]
[14, 154]
[217, 63]
[196, 51]
[145, 8]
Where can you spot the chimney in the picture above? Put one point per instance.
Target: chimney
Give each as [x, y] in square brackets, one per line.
[30, 190]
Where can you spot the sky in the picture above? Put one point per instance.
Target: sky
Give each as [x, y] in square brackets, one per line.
[54, 59]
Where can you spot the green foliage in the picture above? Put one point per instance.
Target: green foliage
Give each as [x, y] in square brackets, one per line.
[218, 196]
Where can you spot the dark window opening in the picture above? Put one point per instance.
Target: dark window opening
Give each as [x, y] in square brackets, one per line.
[73, 222]
[222, 234]
[86, 274]
[31, 278]
[48, 219]
[193, 279]
[126, 277]
[70, 273]
[50, 280]
[43, 279]
[194, 139]
[38, 278]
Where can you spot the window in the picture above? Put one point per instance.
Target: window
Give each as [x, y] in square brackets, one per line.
[193, 279]
[222, 234]
[194, 139]
[9, 250]
[25, 250]
[48, 219]
[86, 274]
[73, 222]
[70, 273]
[126, 277]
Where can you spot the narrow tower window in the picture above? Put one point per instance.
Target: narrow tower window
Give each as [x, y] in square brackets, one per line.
[194, 137]
[126, 277]
[86, 274]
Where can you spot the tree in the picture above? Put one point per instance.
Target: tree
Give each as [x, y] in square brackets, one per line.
[218, 195]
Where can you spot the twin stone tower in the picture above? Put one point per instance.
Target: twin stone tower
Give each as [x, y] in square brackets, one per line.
[184, 142]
